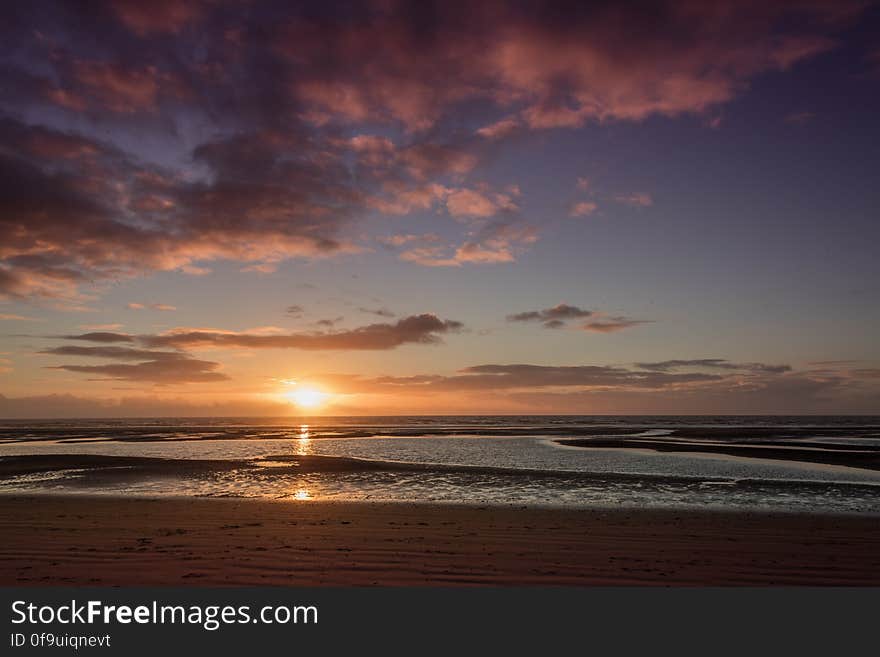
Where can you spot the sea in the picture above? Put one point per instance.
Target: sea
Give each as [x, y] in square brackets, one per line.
[812, 464]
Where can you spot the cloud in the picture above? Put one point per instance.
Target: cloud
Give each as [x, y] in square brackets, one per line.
[101, 327]
[602, 62]
[613, 324]
[712, 363]
[500, 128]
[591, 388]
[473, 203]
[393, 241]
[635, 199]
[582, 209]
[152, 306]
[379, 312]
[294, 310]
[158, 367]
[11, 317]
[101, 336]
[74, 219]
[799, 118]
[120, 88]
[492, 243]
[558, 317]
[163, 372]
[416, 329]
[523, 376]
[159, 17]
[118, 353]
[266, 137]
[552, 318]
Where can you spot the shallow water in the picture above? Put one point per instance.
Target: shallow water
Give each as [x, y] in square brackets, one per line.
[519, 460]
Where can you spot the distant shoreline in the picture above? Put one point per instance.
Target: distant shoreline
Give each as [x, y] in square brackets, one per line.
[850, 456]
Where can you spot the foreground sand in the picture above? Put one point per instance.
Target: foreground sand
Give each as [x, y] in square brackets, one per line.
[54, 540]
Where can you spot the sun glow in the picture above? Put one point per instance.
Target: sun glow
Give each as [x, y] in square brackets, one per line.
[307, 397]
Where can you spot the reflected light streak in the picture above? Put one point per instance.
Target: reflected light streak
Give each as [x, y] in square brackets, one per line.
[302, 446]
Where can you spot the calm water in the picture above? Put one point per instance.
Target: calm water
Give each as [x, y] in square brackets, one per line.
[476, 460]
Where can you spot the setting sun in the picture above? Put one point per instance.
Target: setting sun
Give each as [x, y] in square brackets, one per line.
[307, 397]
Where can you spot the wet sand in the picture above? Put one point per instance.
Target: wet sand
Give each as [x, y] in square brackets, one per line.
[79, 540]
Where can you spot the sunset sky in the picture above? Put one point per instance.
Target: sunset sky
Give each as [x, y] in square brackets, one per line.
[491, 207]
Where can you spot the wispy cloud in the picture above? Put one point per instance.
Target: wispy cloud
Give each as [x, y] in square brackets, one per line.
[164, 307]
[11, 317]
[799, 118]
[635, 199]
[101, 327]
[379, 312]
[712, 363]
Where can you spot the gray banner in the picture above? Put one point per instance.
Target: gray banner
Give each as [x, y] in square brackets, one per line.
[136, 621]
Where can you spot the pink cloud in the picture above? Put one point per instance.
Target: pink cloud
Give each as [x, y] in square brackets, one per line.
[582, 209]
[473, 203]
[157, 16]
[500, 128]
[117, 88]
[492, 244]
[559, 74]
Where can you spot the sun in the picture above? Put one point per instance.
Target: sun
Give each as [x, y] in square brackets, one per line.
[307, 397]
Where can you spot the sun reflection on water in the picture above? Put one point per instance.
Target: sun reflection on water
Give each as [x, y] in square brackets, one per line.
[302, 444]
[302, 494]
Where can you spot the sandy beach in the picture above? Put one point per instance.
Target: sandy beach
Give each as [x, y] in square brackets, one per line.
[80, 540]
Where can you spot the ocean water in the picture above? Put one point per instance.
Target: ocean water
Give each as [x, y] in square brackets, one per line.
[808, 464]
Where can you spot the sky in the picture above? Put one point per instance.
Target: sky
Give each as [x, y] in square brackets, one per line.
[225, 207]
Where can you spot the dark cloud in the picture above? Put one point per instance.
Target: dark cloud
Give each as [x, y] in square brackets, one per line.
[162, 371]
[118, 353]
[379, 312]
[713, 363]
[158, 367]
[294, 310]
[100, 336]
[503, 377]
[554, 317]
[558, 317]
[95, 215]
[416, 329]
